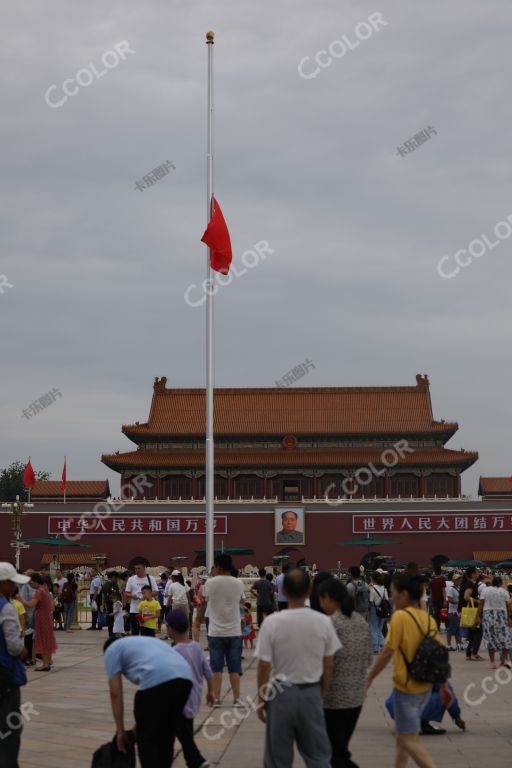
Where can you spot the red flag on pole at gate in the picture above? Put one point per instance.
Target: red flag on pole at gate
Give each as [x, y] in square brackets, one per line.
[28, 476]
[216, 237]
[63, 481]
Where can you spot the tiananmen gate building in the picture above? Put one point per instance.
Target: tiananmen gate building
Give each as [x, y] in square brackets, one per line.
[294, 443]
[297, 470]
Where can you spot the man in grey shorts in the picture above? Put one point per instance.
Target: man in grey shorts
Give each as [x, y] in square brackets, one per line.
[297, 646]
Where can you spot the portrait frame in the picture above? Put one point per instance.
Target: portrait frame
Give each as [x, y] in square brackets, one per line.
[281, 538]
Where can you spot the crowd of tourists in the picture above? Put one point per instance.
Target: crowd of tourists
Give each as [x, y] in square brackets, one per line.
[321, 641]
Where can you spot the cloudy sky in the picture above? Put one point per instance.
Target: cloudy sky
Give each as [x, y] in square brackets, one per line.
[98, 269]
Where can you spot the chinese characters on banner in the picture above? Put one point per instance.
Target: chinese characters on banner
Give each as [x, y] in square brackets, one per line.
[469, 523]
[76, 524]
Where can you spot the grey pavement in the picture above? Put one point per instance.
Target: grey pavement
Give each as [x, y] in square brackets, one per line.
[74, 717]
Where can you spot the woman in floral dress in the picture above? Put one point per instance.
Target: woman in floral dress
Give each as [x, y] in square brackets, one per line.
[42, 602]
[494, 611]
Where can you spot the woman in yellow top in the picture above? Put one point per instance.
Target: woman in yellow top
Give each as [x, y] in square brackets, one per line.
[411, 696]
[20, 611]
[149, 610]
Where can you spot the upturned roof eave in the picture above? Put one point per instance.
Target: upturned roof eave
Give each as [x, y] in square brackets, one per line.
[458, 459]
[138, 432]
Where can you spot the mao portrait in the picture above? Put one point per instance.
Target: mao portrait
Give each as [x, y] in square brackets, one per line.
[289, 525]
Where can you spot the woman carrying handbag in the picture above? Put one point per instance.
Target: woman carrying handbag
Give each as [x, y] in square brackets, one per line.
[469, 600]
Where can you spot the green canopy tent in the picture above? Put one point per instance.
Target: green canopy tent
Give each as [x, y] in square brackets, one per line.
[287, 555]
[287, 550]
[464, 564]
[368, 542]
[55, 542]
[371, 557]
[391, 564]
[228, 551]
[201, 553]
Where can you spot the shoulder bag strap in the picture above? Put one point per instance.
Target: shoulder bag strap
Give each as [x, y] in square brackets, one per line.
[406, 660]
[425, 634]
[377, 591]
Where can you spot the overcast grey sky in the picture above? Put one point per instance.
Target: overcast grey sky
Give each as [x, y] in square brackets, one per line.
[99, 269]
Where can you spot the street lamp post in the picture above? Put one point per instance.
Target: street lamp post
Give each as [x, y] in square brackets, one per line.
[17, 509]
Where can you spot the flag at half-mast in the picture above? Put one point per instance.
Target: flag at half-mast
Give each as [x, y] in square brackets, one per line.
[216, 237]
[63, 481]
[29, 477]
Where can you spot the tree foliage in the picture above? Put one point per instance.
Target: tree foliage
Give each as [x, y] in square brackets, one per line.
[11, 481]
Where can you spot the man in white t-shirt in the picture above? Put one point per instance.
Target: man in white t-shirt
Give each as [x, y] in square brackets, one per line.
[59, 579]
[298, 646]
[133, 593]
[223, 594]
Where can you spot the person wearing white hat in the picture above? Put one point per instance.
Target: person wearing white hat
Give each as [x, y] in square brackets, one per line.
[12, 671]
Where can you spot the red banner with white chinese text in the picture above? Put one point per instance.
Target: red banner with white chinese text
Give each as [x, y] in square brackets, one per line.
[455, 523]
[189, 524]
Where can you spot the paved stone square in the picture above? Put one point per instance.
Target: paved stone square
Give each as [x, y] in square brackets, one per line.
[75, 717]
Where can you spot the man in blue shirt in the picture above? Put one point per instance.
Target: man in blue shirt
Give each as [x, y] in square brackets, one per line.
[164, 680]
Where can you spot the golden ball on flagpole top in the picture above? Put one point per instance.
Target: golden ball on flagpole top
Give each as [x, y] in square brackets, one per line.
[210, 36]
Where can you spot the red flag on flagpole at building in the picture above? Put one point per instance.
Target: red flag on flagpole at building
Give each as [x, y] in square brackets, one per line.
[216, 237]
[63, 481]
[28, 476]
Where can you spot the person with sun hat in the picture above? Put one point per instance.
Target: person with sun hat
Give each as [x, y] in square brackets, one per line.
[12, 671]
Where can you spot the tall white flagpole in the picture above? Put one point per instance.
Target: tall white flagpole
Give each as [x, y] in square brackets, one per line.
[209, 323]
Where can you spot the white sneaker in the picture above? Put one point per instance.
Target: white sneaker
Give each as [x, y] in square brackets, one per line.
[238, 703]
[217, 703]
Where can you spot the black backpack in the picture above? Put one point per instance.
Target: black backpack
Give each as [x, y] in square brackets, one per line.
[361, 596]
[431, 662]
[383, 611]
[108, 755]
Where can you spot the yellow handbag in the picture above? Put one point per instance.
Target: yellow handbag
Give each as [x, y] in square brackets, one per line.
[468, 615]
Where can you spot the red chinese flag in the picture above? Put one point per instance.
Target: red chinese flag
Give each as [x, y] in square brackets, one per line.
[216, 237]
[28, 476]
[63, 481]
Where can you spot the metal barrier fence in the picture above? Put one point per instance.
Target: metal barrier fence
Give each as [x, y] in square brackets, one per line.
[83, 603]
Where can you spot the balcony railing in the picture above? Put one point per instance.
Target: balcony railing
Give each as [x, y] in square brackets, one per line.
[304, 500]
